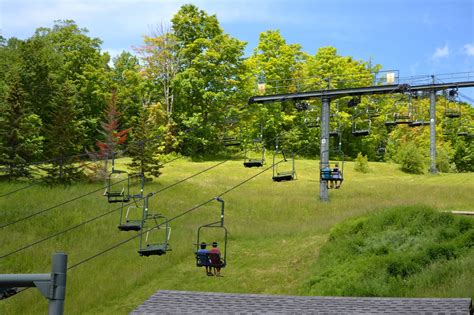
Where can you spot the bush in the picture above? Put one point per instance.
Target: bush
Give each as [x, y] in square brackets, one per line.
[386, 254]
[361, 163]
[411, 159]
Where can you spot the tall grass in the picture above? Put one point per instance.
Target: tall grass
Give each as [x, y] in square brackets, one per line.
[276, 231]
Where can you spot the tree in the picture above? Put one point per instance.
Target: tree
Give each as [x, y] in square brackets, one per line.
[112, 139]
[20, 139]
[207, 82]
[161, 58]
[132, 88]
[147, 139]
[64, 137]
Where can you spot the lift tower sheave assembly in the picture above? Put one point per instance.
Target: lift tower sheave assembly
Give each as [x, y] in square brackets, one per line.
[327, 95]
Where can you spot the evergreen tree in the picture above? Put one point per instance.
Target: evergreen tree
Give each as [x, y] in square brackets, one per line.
[64, 137]
[20, 139]
[145, 147]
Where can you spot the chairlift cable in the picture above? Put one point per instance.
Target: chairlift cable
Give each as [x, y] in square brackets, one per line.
[58, 205]
[110, 211]
[139, 234]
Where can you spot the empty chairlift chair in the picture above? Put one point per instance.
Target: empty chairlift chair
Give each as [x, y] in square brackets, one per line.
[452, 107]
[280, 174]
[259, 148]
[230, 137]
[401, 112]
[118, 185]
[361, 123]
[155, 241]
[133, 218]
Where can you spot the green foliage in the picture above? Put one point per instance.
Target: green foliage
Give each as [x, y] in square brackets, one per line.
[144, 148]
[200, 76]
[464, 155]
[206, 84]
[65, 137]
[385, 254]
[20, 139]
[361, 163]
[411, 159]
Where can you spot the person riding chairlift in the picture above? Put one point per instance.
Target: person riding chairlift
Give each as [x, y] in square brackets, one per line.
[203, 257]
[215, 257]
[336, 176]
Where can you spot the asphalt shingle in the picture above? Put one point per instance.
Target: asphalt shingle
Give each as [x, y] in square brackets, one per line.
[189, 302]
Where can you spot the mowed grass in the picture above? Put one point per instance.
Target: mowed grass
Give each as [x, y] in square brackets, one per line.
[275, 232]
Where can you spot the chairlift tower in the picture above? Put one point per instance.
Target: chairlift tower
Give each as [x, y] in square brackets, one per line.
[327, 95]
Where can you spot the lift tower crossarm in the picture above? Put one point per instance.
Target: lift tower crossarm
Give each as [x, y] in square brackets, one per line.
[369, 90]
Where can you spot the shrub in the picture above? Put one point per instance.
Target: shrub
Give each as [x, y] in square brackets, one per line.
[361, 163]
[411, 159]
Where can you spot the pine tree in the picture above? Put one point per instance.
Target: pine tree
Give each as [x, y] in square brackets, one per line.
[20, 139]
[145, 147]
[64, 137]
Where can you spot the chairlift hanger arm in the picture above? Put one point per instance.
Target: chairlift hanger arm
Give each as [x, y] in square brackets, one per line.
[369, 90]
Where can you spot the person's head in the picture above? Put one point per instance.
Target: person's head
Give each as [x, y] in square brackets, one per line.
[214, 244]
[336, 165]
[203, 245]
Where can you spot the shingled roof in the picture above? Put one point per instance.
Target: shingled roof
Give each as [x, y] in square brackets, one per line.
[188, 302]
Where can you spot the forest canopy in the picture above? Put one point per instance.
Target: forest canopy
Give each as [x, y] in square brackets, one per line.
[186, 89]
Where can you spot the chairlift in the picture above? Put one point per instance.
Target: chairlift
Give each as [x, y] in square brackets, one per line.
[155, 241]
[258, 146]
[118, 186]
[452, 107]
[361, 123]
[418, 121]
[465, 129]
[332, 177]
[399, 116]
[208, 259]
[133, 218]
[354, 102]
[230, 139]
[278, 174]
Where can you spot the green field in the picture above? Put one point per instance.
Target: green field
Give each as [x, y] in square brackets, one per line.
[276, 231]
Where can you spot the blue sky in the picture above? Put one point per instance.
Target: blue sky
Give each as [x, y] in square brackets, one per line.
[416, 37]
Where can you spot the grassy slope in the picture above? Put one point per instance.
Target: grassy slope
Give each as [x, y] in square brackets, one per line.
[276, 231]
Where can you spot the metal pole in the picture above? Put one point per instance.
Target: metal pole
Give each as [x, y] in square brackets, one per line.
[324, 149]
[433, 169]
[58, 286]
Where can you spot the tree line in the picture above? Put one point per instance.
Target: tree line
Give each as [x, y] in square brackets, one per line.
[186, 89]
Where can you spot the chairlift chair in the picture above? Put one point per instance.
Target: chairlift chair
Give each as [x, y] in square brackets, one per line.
[133, 219]
[155, 241]
[329, 175]
[285, 175]
[118, 185]
[258, 146]
[231, 141]
[452, 107]
[214, 225]
[361, 126]
[229, 138]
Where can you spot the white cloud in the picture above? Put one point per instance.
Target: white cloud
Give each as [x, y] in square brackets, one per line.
[469, 49]
[441, 52]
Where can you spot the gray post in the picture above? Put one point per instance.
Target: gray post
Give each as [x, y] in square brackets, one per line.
[433, 169]
[324, 149]
[52, 286]
[58, 284]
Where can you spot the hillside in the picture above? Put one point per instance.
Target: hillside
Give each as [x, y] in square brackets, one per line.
[276, 232]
